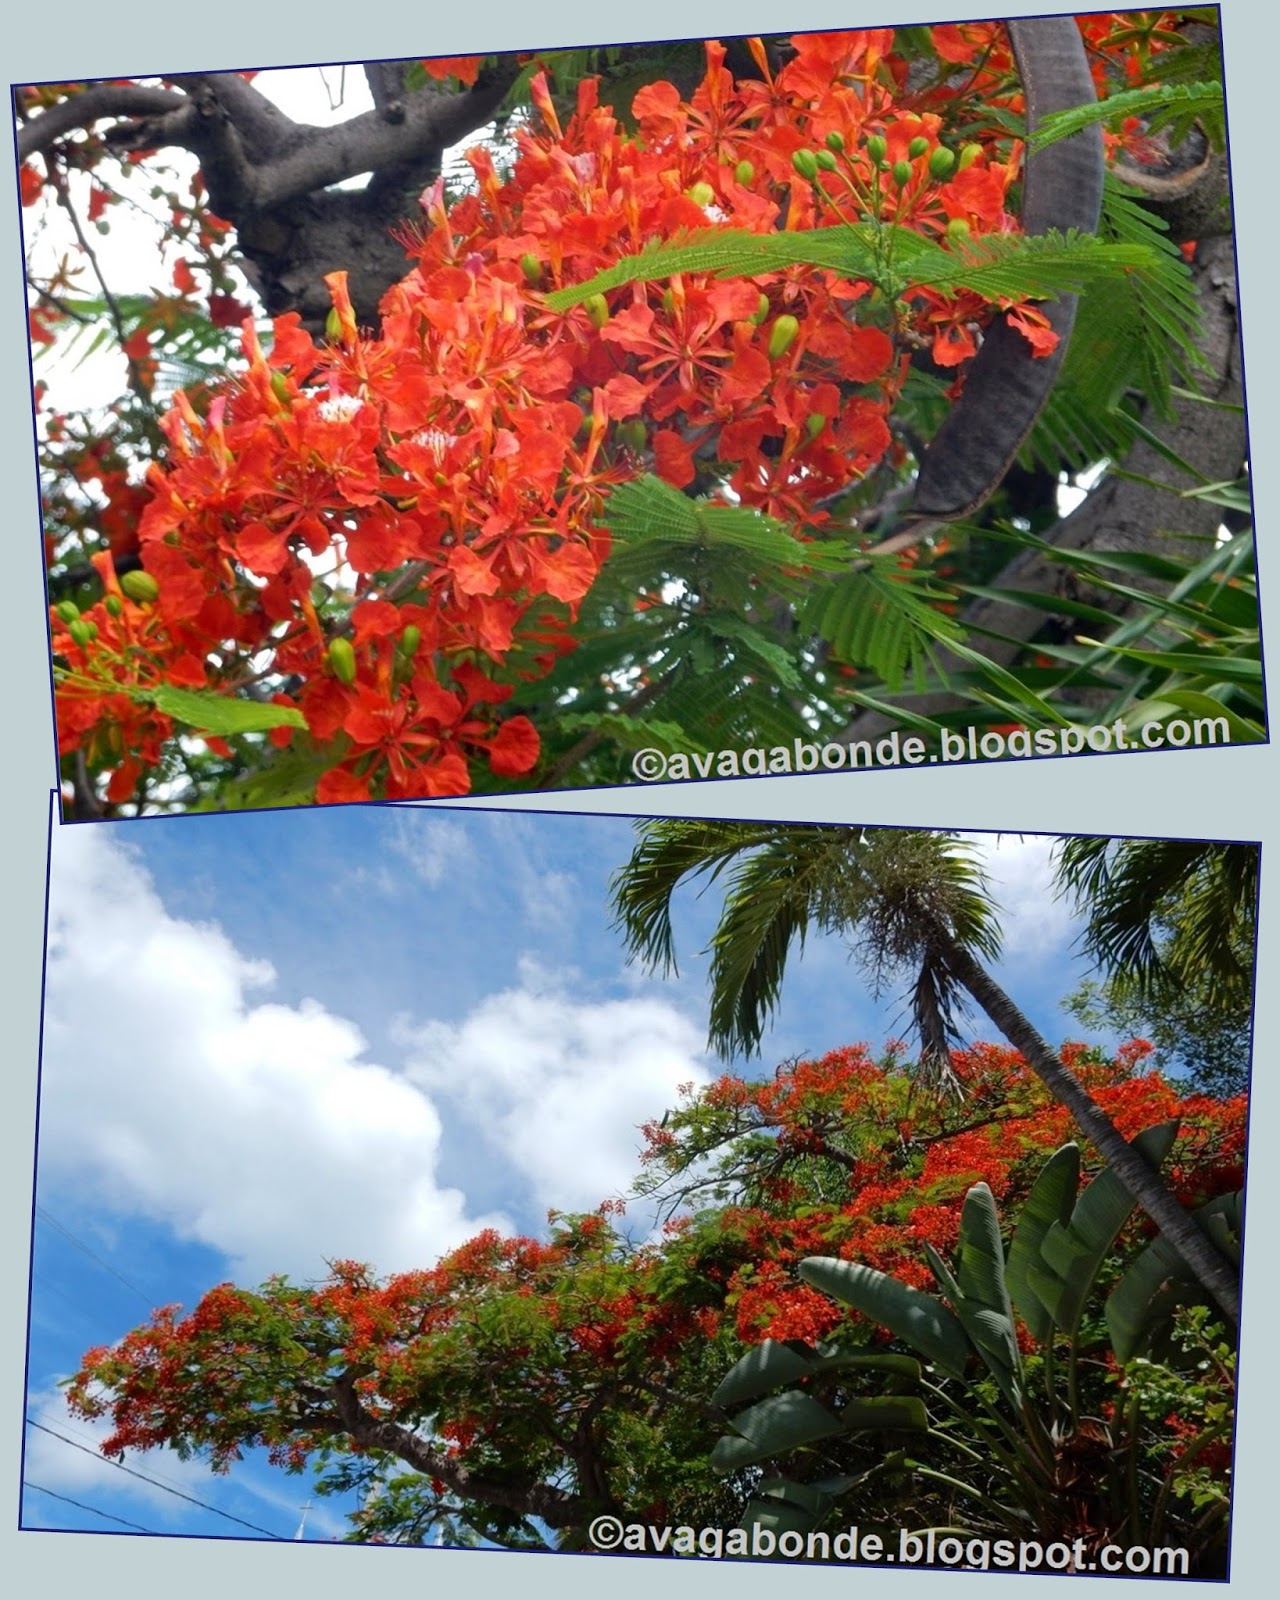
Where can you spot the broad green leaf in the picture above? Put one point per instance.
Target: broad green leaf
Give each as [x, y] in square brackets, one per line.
[218, 714]
[781, 1423]
[774, 1362]
[1049, 1204]
[1071, 1255]
[921, 1319]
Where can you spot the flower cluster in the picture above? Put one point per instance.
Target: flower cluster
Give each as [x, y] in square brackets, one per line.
[394, 529]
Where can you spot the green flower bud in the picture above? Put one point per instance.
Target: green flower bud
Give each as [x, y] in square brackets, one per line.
[806, 164]
[140, 586]
[410, 640]
[815, 422]
[342, 660]
[333, 326]
[942, 163]
[83, 631]
[68, 610]
[969, 153]
[532, 269]
[825, 160]
[876, 147]
[782, 336]
[279, 386]
[902, 173]
[744, 172]
[835, 140]
[597, 308]
[633, 434]
[114, 605]
[917, 148]
[702, 194]
[957, 228]
[669, 301]
[762, 309]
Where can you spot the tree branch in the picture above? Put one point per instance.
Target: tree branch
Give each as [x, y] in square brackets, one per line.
[92, 105]
[555, 1507]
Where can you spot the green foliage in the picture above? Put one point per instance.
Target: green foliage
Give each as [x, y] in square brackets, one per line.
[1163, 106]
[894, 260]
[998, 1455]
[216, 714]
[887, 891]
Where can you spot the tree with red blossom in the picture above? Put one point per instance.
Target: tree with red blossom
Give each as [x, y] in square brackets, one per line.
[426, 526]
[521, 1386]
[915, 909]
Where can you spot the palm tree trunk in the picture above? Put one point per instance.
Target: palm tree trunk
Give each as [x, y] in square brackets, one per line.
[1136, 1173]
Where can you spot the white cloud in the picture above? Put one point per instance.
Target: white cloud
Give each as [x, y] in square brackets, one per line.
[432, 846]
[255, 1128]
[1034, 920]
[177, 1089]
[560, 1087]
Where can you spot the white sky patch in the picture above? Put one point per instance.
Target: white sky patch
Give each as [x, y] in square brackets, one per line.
[432, 851]
[1035, 921]
[255, 1128]
[558, 1086]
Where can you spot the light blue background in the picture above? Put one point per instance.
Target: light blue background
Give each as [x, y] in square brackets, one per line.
[1231, 793]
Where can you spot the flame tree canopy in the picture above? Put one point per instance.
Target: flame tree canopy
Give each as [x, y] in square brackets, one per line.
[521, 1386]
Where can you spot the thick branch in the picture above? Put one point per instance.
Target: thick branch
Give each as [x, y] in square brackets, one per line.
[92, 105]
[555, 1507]
[369, 142]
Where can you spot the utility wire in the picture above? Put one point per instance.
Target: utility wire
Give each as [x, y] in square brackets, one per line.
[71, 1238]
[120, 1467]
[80, 1506]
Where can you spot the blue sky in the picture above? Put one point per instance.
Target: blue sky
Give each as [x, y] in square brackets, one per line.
[277, 1039]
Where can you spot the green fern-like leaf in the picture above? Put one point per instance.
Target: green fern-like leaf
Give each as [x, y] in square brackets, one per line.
[881, 617]
[1161, 103]
[896, 260]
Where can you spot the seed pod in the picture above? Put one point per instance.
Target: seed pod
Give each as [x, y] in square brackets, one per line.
[942, 163]
[532, 269]
[140, 586]
[83, 631]
[744, 172]
[68, 610]
[342, 660]
[835, 140]
[597, 308]
[702, 194]
[825, 160]
[806, 164]
[902, 173]
[782, 336]
[917, 148]
[876, 147]
[969, 153]
[114, 605]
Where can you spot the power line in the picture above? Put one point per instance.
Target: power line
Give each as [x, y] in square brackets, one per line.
[71, 1238]
[80, 1506]
[120, 1467]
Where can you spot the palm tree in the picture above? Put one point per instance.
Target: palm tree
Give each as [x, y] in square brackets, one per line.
[1166, 915]
[908, 901]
